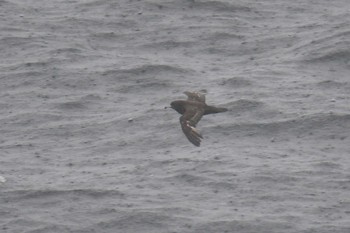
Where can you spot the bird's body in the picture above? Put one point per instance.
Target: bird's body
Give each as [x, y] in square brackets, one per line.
[192, 111]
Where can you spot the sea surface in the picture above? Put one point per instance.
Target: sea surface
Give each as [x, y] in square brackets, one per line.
[87, 146]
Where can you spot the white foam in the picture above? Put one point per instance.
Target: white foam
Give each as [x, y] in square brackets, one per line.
[2, 179]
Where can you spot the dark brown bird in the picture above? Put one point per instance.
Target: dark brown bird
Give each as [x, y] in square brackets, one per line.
[192, 111]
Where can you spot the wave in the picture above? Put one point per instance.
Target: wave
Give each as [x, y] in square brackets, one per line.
[328, 47]
[30, 119]
[301, 126]
[244, 105]
[139, 221]
[201, 5]
[169, 44]
[331, 84]
[49, 193]
[236, 82]
[329, 55]
[261, 225]
[145, 78]
[146, 70]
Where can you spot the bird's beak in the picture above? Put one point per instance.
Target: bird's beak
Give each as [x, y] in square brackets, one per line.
[167, 107]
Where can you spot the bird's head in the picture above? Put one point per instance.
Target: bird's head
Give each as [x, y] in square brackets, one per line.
[172, 105]
[178, 106]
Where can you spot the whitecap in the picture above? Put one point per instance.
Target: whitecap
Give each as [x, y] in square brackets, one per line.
[2, 179]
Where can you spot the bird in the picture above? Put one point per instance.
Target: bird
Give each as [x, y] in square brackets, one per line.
[191, 111]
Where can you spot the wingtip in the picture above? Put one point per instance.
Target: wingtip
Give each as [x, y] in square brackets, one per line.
[197, 143]
[194, 140]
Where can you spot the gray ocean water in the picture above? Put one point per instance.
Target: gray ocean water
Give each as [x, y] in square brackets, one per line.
[86, 145]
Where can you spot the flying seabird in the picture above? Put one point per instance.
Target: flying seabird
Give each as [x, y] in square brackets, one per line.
[192, 111]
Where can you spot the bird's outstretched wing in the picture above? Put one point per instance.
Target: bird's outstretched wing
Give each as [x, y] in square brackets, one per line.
[188, 123]
[195, 96]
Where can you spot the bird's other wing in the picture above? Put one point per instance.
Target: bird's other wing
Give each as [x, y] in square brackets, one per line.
[195, 96]
[188, 123]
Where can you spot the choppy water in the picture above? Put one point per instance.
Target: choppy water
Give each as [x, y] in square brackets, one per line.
[87, 146]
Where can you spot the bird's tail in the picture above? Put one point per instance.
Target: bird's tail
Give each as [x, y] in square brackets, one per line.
[212, 109]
